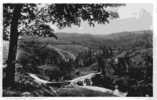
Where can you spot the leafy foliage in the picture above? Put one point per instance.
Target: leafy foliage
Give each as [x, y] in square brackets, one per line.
[61, 14]
[38, 30]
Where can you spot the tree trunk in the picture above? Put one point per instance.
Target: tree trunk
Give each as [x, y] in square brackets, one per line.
[10, 70]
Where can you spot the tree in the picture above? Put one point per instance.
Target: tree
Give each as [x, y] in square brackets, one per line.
[18, 16]
[13, 45]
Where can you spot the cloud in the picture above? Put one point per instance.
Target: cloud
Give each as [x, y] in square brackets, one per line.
[132, 10]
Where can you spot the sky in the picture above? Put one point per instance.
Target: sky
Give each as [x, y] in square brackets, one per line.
[133, 17]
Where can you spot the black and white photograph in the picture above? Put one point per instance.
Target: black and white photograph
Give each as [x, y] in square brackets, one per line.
[77, 49]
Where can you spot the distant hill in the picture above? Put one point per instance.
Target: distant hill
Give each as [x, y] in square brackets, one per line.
[75, 43]
[115, 40]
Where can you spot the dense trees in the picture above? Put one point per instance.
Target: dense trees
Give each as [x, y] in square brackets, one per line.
[130, 69]
[19, 16]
